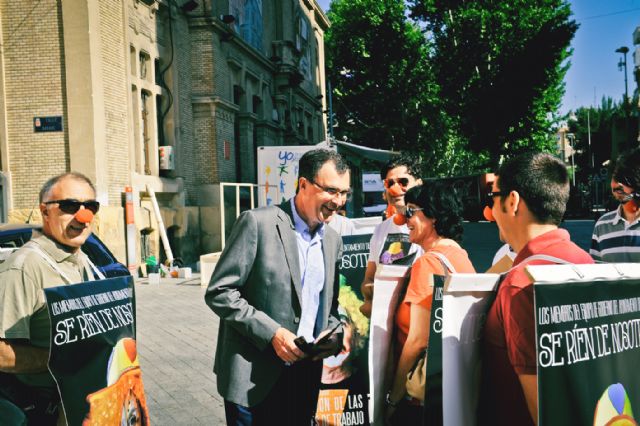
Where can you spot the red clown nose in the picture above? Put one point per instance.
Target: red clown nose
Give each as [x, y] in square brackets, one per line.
[488, 214]
[399, 219]
[390, 211]
[395, 192]
[84, 216]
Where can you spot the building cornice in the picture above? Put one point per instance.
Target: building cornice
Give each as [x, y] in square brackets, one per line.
[216, 100]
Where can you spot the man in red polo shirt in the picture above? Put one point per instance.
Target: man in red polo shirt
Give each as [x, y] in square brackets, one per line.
[527, 201]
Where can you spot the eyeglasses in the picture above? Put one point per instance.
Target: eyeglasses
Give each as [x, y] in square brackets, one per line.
[71, 206]
[332, 191]
[410, 211]
[388, 183]
[492, 194]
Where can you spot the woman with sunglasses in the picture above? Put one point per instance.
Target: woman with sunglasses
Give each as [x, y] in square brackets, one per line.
[434, 217]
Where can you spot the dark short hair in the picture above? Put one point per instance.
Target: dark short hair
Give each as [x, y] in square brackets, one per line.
[541, 180]
[312, 161]
[627, 168]
[46, 188]
[441, 203]
[403, 159]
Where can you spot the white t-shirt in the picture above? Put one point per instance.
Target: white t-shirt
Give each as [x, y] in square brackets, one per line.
[390, 243]
[503, 251]
[342, 225]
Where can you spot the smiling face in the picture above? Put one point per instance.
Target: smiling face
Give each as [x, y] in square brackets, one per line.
[64, 227]
[421, 229]
[394, 193]
[314, 204]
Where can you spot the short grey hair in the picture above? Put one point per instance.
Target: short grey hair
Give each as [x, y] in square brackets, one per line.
[48, 185]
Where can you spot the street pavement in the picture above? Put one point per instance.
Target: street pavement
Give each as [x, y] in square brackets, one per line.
[176, 334]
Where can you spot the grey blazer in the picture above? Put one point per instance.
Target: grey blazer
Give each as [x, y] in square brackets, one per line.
[255, 289]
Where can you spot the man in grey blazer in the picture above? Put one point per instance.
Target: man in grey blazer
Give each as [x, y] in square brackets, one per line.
[277, 279]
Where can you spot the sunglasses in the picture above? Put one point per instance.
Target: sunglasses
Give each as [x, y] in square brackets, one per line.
[492, 194]
[388, 183]
[409, 212]
[71, 206]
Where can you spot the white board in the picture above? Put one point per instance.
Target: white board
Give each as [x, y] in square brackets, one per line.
[466, 301]
[278, 172]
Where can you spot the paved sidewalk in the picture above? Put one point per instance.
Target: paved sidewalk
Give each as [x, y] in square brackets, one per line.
[177, 335]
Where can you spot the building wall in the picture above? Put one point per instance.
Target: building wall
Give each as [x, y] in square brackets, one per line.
[216, 92]
[116, 93]
[34, 86]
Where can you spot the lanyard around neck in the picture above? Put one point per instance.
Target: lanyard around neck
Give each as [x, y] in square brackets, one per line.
[36, 248]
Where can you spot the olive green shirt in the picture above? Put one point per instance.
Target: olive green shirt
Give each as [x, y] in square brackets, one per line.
[23, 309]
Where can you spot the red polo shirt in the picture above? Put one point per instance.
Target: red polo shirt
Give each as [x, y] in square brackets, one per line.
[509, 345]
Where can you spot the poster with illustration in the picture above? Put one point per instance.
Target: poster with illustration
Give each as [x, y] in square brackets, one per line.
[93, 356]
[588, 346]
[278, 172]
[344, 393]
[395, 250]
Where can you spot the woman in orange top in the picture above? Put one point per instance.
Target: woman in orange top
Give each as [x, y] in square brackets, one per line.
[434, 217]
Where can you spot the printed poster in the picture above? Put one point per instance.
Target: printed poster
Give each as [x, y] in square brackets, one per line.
[433, 388]
[278, 172]
[93, 356]
[344, 393]
[588, 345]
[395, 250]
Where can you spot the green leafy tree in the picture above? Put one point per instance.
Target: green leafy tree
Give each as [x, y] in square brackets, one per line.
[500, 68]
[384, 90]
[376, 62]
[597, 122]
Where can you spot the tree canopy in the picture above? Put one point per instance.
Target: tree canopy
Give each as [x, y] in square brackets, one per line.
[459, 83]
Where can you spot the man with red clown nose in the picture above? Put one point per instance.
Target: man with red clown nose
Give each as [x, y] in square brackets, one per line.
[390, 240]
[50, 259]
[616, 235]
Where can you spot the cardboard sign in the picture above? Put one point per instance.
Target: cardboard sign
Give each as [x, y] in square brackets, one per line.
[588, 346]
[93, 356]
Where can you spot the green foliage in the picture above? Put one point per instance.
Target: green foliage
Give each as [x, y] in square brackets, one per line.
[473, 81]
[598, 122]
[376, 61]
[500, 67]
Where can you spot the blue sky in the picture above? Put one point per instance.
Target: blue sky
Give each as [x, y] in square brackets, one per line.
[605, 25]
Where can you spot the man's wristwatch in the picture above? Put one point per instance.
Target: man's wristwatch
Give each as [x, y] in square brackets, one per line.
[389, 401]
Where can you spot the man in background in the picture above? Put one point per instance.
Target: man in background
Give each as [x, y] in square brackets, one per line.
[616, 235]
[390, 240]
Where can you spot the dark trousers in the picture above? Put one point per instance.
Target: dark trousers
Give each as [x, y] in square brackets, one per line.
[407, 414]
[292, 401]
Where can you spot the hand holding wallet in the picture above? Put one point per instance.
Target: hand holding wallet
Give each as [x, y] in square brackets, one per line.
[317, 346]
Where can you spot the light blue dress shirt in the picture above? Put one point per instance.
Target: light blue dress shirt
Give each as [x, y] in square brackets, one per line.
[311, 271]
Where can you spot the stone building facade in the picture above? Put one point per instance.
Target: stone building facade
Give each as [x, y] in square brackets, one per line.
[109, 87]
